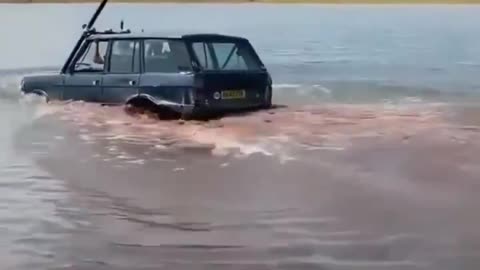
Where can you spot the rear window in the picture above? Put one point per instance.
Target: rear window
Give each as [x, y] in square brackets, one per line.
[163, 55]
[225, 56]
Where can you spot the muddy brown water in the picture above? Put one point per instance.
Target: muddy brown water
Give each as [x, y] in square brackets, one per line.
[370, 161]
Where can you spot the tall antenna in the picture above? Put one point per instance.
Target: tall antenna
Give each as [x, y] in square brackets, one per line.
[87, 29]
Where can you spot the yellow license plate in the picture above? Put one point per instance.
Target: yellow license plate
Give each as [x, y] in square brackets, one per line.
[233, 94]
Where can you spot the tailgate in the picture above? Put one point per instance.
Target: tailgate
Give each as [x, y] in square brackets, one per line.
[231, 89]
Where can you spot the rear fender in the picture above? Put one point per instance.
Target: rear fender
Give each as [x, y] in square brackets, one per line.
[159, 103]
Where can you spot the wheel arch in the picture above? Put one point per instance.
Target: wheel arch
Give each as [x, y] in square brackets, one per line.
[38, 92]
[163, 108]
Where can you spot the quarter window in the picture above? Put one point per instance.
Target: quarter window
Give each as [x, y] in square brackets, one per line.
[225, 56]
[228, 56]
[203, 54]
[125, 56]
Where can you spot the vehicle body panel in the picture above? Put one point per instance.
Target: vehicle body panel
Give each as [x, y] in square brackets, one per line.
[116, 88]
[82, 86]
[252, 84]
[49, 84]
[170, 87]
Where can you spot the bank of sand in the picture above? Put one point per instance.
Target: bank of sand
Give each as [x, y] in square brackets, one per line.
[258, 1]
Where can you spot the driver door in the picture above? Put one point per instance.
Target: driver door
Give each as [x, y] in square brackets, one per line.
[85, 81]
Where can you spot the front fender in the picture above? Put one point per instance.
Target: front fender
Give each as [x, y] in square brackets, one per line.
[45, 85]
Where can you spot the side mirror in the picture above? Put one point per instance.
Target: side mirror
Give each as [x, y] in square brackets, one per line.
[195, 67]
[84, 26]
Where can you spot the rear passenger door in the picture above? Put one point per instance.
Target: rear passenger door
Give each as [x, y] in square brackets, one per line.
[122, 76]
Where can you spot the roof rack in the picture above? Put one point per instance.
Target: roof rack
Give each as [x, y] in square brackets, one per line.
[108, 32]
[93, 31]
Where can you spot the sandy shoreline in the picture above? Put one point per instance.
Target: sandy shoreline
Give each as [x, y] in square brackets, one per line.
[252, 1]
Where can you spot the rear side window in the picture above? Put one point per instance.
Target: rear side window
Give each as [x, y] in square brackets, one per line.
[167, 56]
[225, 56]
[125, 56]
[228, 56]
[202, 50]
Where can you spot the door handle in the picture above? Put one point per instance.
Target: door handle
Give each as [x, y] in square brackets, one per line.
[131, 82]
[95, 82]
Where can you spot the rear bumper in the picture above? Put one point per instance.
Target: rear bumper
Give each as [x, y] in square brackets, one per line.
[201, 103]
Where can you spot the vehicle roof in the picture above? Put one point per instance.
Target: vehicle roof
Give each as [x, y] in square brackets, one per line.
[188, 36]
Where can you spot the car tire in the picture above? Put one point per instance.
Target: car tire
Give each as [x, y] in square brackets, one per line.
[186, 116]
[267, 103]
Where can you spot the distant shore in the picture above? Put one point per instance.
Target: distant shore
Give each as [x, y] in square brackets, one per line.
[255, 1]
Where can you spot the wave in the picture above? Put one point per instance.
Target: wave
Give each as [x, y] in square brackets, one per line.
[468, 63]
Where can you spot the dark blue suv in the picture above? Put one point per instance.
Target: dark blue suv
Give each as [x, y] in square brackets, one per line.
[185, 76]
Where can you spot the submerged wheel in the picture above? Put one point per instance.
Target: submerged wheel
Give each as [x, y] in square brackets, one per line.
[138, 106]
[186, 116]
[145, 106]
[267, 102]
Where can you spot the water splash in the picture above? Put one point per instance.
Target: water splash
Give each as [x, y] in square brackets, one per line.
[278, 132]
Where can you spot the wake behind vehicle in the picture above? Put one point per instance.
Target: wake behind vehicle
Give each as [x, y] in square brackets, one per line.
[186, 76]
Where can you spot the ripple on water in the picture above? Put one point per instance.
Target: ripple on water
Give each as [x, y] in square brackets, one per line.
[31, 216]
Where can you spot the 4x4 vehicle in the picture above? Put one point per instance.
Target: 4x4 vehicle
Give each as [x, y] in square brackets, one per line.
[187, 75]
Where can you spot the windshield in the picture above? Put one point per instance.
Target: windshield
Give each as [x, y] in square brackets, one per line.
[225, 56]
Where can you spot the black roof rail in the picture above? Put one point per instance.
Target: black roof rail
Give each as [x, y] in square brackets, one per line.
[109, 32]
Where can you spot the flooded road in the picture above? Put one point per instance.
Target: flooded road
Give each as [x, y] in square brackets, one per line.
[368, 161]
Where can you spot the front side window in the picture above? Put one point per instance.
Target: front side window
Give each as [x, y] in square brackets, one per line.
[125, 56]
[167, 56]
[225, 56]
[93, 58]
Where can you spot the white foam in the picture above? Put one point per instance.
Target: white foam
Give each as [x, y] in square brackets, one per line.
[43, 110]
[365, 264]
[10, 86]
[87, 138]
[160, 146]
[301, 220]
[124, 156]
[223, 165]
[412, 99]
[164, 160]
[136, 161]
[112, 149]
[286, 85]
[323, 89]
[468, 63]
[326, 147]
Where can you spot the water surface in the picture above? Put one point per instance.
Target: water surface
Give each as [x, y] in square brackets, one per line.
[369, 161]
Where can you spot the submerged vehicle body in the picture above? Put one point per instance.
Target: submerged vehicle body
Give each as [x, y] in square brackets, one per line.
[187, 76]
